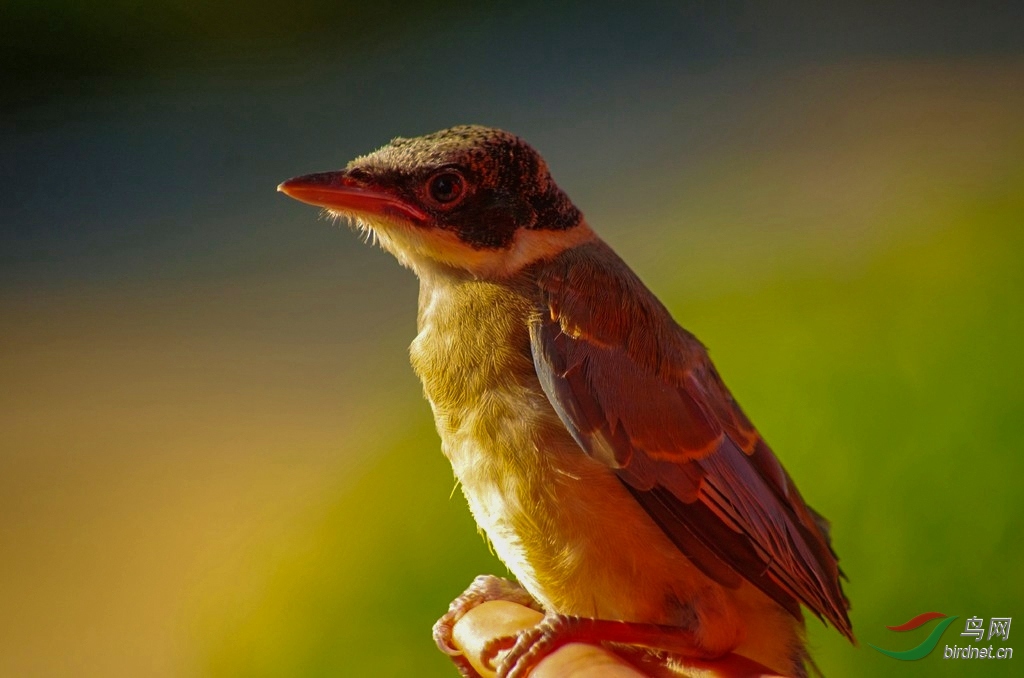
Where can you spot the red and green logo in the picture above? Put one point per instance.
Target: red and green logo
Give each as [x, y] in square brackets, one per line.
[927, 645]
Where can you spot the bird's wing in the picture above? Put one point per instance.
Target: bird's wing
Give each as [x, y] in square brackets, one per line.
[639, 393]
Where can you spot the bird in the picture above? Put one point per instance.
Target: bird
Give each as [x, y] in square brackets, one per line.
[596, 444]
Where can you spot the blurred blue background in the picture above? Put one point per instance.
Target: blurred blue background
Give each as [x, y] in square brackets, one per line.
[214, 458]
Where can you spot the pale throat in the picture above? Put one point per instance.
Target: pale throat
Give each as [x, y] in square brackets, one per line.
[428, 251]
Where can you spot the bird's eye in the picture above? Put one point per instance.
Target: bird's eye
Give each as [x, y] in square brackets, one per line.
[446, 187]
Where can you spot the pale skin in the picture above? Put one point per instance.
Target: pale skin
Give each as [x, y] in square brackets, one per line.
[500, 618]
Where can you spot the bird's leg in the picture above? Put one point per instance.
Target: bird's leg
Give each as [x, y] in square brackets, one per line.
[529, 647]
[484, 588]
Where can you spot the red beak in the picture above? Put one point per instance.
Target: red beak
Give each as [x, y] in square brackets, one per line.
[338, 191]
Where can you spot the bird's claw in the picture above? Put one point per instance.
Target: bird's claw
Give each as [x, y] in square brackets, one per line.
[484, 588]
[527, 648]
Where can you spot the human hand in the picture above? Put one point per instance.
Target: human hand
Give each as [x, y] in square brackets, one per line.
[499, 618]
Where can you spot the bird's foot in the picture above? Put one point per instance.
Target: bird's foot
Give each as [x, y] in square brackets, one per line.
[528, 648]
[484, 588]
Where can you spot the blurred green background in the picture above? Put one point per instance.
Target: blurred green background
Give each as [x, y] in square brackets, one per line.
[214, 458]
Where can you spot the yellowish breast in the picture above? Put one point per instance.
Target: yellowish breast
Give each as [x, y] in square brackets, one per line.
[562, 522]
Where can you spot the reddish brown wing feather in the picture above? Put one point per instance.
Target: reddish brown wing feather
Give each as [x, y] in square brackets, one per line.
[639, 393]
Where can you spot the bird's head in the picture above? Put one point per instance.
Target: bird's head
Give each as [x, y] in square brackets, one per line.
[469, 198]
